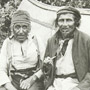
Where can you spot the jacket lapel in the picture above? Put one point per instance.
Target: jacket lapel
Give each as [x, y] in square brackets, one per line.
[75, 47]
[79, 55]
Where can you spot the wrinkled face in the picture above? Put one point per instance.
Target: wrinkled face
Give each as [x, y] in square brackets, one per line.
[66, 23]
[21, 31]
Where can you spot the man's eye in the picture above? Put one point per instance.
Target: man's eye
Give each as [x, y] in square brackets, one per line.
[24, 26]
[17, 27]
[61, 20]
[69, 20]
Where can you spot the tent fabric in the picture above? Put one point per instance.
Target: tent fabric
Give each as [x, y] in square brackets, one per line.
[42, 20]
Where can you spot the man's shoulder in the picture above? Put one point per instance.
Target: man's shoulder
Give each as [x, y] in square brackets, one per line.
[33, 38]
[8, 41]
[53, 37]
[83, 35]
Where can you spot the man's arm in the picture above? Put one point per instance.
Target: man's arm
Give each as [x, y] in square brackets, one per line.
[85, 83]
[4, 64]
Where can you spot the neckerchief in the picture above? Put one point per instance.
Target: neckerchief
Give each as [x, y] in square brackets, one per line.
[63, 44]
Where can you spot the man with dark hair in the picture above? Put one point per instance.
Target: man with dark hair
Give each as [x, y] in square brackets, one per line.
[20, 58]
[67, 62]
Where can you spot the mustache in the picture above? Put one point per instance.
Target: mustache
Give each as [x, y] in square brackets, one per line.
[21, 34]
[65, 27]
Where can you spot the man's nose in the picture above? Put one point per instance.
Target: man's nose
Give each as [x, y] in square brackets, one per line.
[65, 23]
[21, 30]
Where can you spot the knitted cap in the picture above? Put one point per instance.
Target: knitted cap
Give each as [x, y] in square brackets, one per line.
[69, 9]
[20, 16]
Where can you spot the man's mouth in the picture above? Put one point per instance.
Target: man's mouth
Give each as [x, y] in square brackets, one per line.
[65, 30]
[21, 36]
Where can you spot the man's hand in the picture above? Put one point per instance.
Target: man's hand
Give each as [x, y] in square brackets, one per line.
[75, 88]
[9, 86]
[27, 83]
[49, 60]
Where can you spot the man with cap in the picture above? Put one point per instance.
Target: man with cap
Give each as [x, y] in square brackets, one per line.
[67, 58]
[20, 59]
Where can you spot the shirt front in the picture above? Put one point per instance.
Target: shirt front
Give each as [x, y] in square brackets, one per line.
[21, 56]
[24, 55]
[64, 64]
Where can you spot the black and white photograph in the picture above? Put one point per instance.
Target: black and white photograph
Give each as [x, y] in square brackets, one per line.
[44, 44]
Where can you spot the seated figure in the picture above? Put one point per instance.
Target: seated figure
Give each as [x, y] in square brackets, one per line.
[67, 56]
[20, 60]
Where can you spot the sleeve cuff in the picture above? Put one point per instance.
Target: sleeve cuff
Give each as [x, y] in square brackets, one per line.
[39, 73]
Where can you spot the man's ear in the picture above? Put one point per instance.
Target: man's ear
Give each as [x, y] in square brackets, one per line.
[29, 28]
[56, 22]
[77, 23]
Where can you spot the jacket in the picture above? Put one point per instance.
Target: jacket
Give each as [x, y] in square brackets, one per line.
[80, 55]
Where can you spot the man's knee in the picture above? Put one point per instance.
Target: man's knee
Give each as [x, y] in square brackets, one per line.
[2, 88]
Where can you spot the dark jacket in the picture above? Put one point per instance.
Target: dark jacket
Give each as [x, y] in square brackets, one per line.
[80, 55]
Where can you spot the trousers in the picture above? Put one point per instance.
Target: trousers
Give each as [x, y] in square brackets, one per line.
[38, 85]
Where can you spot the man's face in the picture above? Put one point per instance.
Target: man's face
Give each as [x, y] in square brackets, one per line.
[21, 31]
[66, 23]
